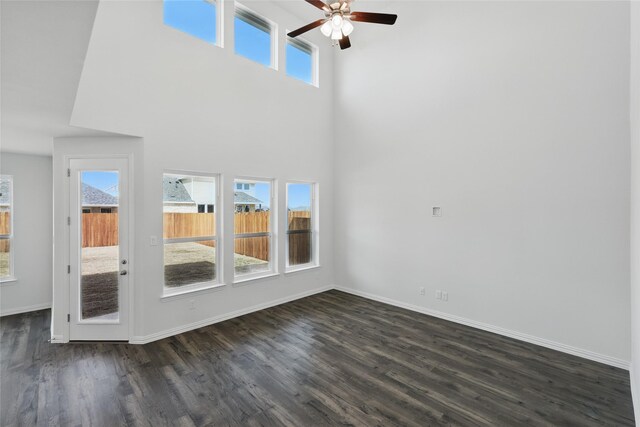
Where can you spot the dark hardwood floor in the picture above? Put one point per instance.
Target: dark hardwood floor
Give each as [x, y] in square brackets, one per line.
[328, 359]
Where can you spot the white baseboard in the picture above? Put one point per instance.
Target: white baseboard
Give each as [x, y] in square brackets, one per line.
[57, 339]
[25, 309]
[221, 318]
[635, 397]
[586, 354]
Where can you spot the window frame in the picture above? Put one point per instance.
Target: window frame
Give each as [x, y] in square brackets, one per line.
[273, 233]
[219, 23]
[251, 17]
[11, 277]
[218, 281]
[312, 49]
[315, 228]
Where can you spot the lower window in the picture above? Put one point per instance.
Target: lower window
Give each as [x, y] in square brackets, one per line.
[6, 227]
[190, 235]
[301, 219]
[254, 245]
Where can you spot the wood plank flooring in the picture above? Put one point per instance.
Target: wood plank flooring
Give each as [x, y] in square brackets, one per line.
[329, 359]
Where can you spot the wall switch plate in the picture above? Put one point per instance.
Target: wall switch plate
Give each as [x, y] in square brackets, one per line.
[438, 294]
[436, 211]
[445, 296]
[153, 240]
[422, 290]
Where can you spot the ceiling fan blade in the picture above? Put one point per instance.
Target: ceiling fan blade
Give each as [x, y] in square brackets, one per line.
[319, 4]
[306, 28]
[374, 18]
[345, 43]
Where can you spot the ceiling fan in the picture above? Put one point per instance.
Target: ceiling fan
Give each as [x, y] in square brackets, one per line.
[337, 21]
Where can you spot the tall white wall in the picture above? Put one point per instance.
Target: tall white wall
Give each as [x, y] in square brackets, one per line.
[635, 203]
[202, 108]
[513, 117]
[33, 235]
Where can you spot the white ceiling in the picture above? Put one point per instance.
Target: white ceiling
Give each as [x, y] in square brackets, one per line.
[43, 46]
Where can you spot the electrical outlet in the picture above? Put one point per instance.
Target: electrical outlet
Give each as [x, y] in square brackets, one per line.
[422, 290]
[445, 296]
[438, 294]
[153, 240]
[192, 304]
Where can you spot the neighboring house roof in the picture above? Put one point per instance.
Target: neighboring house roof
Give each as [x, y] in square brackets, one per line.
[4, 192]
[173, 191]
[241, 198]
[91, 196]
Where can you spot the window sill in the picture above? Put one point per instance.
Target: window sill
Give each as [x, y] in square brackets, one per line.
[8, 280]
[181, 293]
[302, 268]
[246, 280]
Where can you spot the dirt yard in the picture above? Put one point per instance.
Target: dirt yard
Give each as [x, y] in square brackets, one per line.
[4, 264]
[184, 264]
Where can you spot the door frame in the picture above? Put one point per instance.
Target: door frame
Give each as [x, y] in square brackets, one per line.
[131, 227]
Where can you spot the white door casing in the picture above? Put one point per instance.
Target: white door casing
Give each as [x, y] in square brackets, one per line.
[103, 265]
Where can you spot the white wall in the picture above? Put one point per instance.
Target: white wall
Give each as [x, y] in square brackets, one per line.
[33, 235]
[513, 117]
[202, 108]
[635, 204]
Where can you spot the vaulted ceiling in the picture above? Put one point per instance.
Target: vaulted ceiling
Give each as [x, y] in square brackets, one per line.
[43, 45]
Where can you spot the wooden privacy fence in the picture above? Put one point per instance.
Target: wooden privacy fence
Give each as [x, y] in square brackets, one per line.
[176, 225]
[252, 222]
[299, 224]
[101, 229]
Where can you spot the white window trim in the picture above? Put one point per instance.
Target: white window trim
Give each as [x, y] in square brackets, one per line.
[193, 288]
[315, 229]
[199, 286]
[220, 22]
[303, 45]
[10, 237]
[273, 233]
[259, 21]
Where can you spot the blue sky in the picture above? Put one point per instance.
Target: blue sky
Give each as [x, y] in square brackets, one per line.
[102, 180]
[252, 42]
[263, 193]
[299, 64]
[198, 18]
[299, 195]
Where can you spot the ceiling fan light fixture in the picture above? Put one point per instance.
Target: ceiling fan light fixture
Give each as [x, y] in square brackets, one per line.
[337, 21]
[326, 29]
[347, 27]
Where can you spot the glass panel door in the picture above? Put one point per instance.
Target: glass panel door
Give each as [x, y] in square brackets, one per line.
[100, 265]
[98, 237]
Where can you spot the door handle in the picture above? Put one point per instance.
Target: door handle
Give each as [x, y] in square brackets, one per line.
[123, 272]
